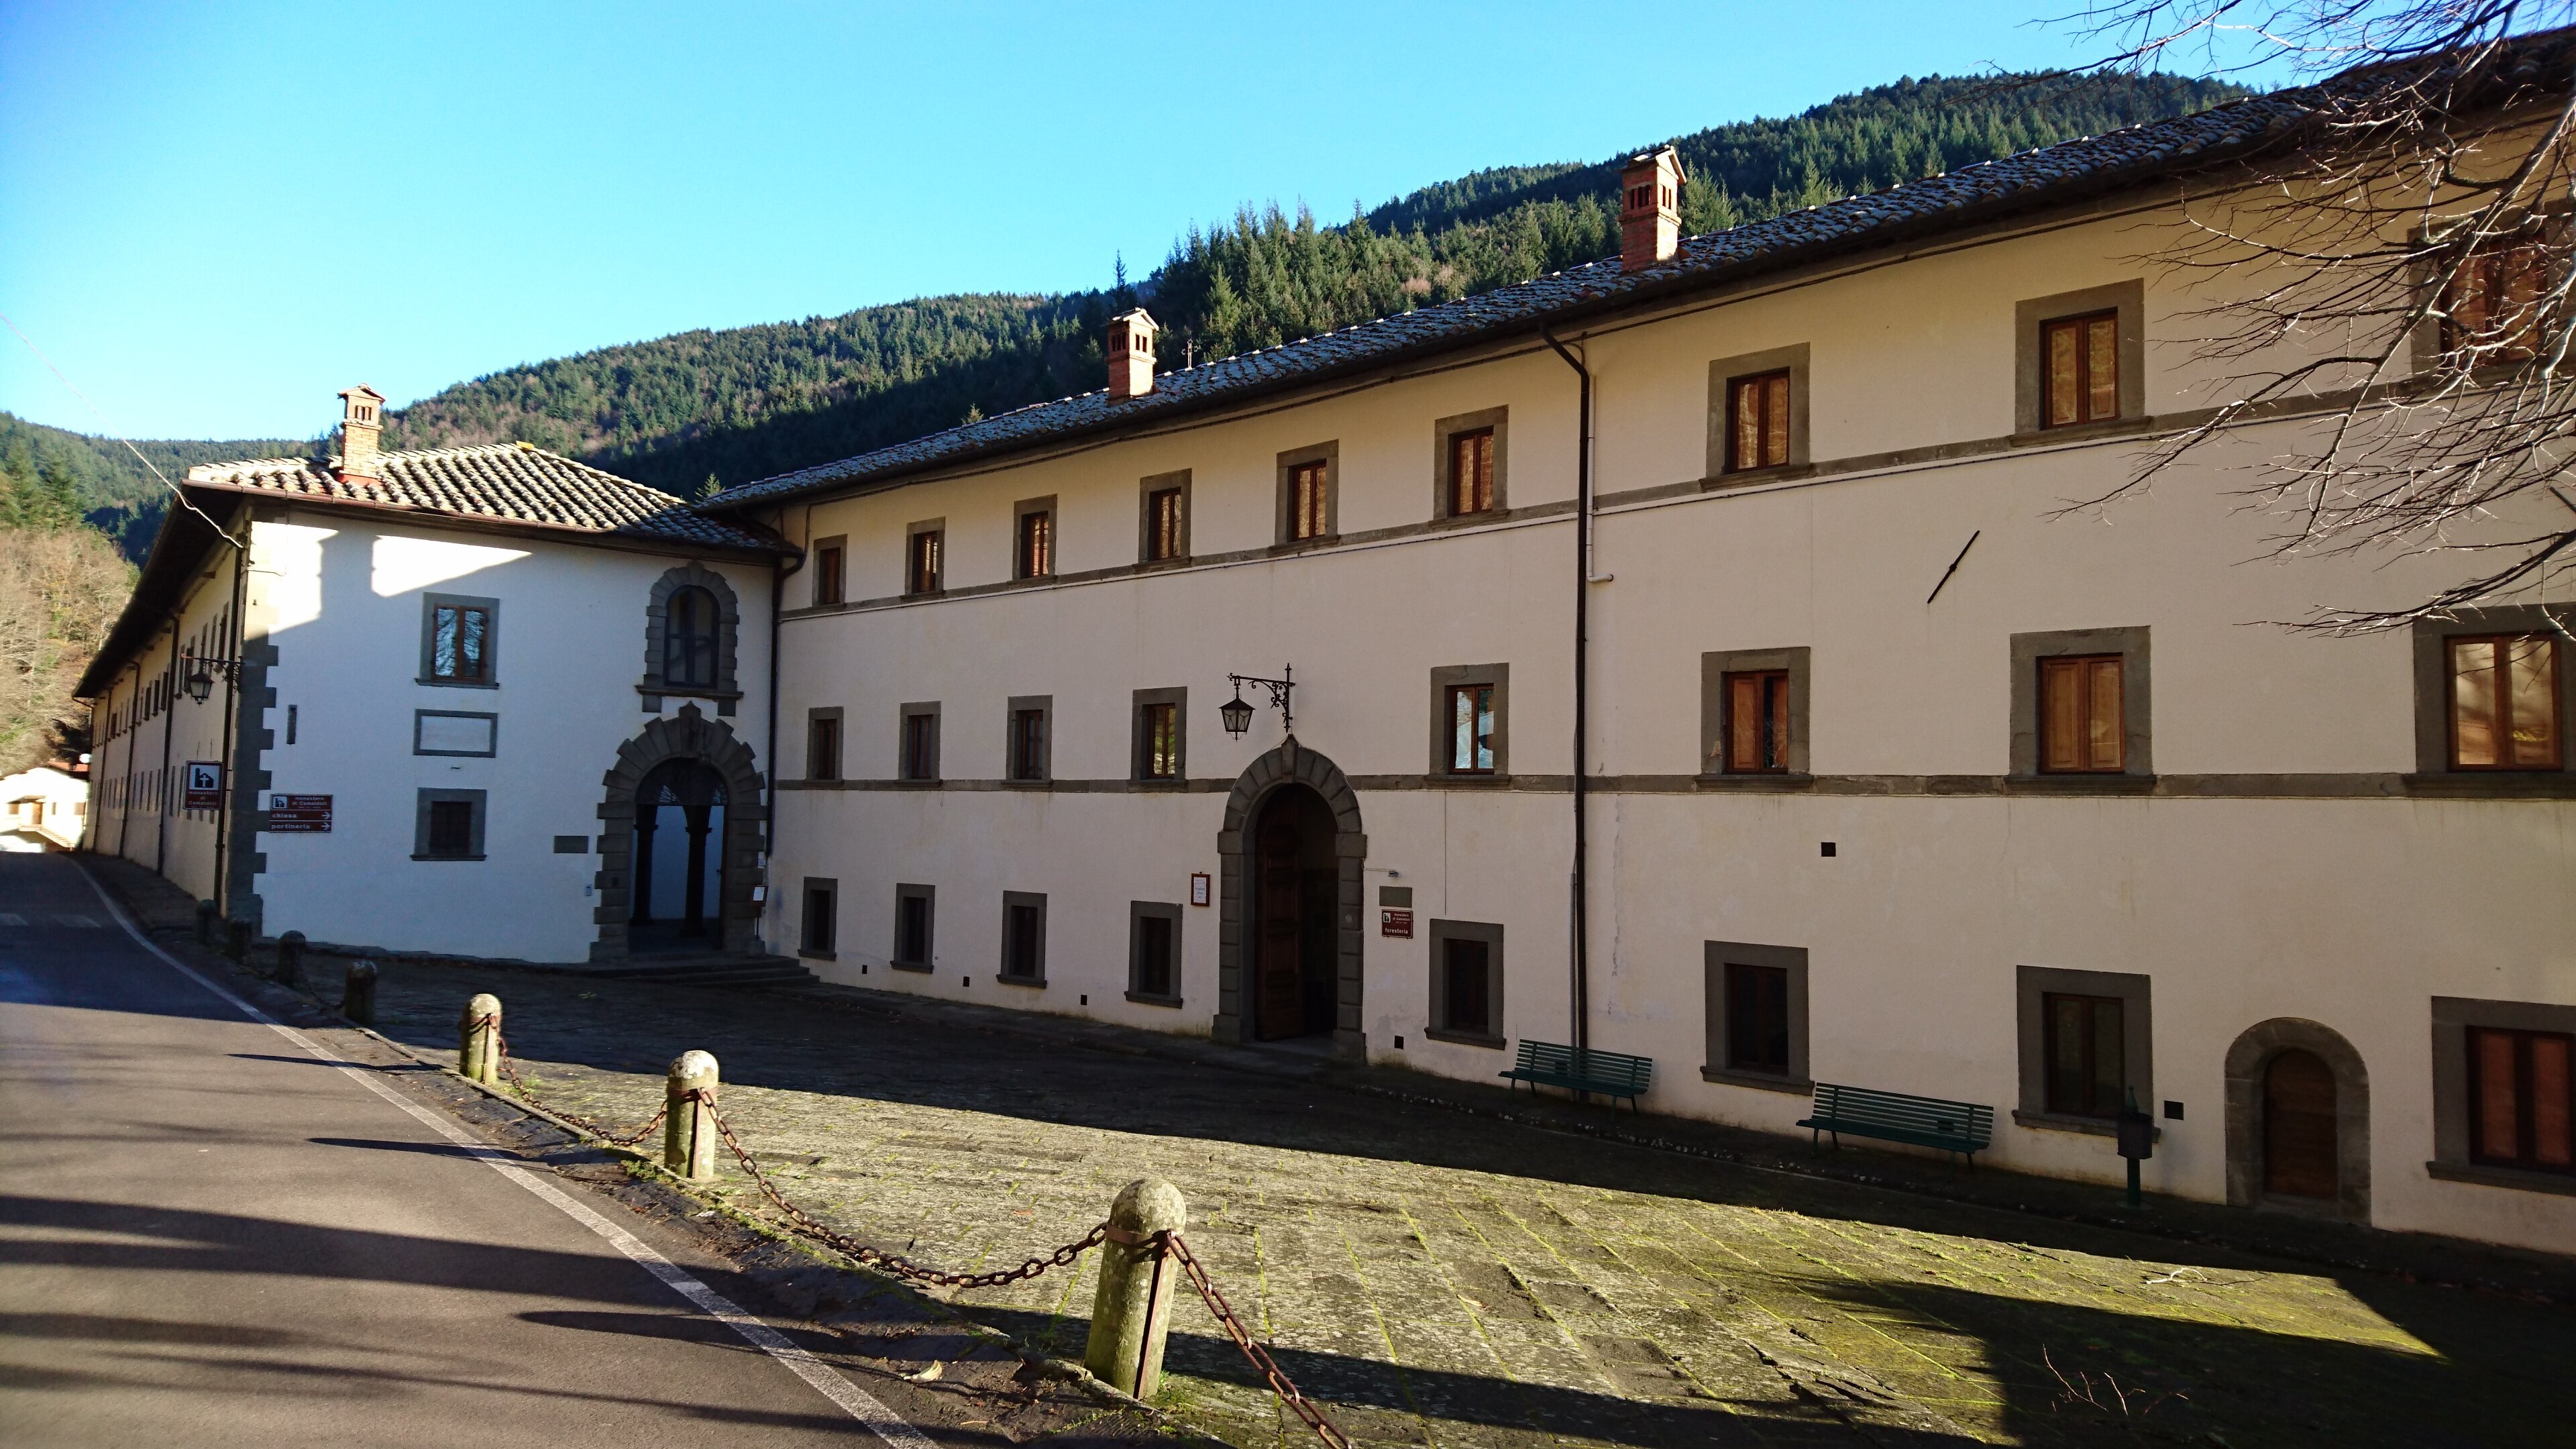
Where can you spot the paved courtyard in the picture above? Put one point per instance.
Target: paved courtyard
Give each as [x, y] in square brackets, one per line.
[1442, 1279]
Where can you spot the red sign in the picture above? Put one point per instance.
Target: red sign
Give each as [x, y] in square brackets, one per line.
[1395, 923]
[205, 786]
[299, 814]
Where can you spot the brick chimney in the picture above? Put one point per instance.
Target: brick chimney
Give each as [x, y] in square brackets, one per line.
[362, 419]
[1131, 354]
[1650, 208]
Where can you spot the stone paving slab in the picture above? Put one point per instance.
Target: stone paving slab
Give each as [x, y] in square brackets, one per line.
[1441, 1279]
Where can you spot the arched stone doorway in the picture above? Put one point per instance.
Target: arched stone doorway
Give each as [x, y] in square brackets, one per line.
[679, 859]
[1289, 903]
[2298, 1120]
[657, 776]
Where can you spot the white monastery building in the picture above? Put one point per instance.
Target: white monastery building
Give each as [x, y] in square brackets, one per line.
[1687, 656]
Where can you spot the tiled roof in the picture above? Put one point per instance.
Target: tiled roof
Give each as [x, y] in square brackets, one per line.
[509, 482]
[2047, 176]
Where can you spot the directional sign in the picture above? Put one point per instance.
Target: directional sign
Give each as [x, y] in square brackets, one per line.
[299, 814]
[204, 785]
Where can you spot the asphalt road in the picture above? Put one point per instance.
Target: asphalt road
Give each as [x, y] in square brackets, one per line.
[208, 1236]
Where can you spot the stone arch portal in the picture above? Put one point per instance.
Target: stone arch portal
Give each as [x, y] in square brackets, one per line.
[1289, 764]
[2249, 1062]
[687, 736]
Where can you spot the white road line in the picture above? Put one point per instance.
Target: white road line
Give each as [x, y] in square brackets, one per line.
[77, 922]
[7, 919]
[852, 1399]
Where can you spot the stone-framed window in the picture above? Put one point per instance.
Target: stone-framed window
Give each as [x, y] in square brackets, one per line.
[1024, 933]
[2085, 1041]
[1154, 952]
[1028, 745]
[1490, 487]
[823, 743]
[460, 641]
[925, 558]
[1732, 390]
[1753, 715]
[474, 734]
[1310, 505]
[917, 742]
[2070, 667]
[2526, 720]
[692, 631]
[1470, 722]
[2124, 306]
[1466, 983]
[916, 923]
[1033, 538]
[819, 927]
[448, 825]
[2493, 1064]
[1163, 518]
[1159, 754]
[831, 565]
[1756, 1015]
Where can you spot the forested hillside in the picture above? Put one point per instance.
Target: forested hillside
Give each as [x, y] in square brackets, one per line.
[43, 470]
[717, 407]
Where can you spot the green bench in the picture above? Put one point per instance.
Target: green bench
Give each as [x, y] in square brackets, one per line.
[1961, 1127]
[1582, 1070]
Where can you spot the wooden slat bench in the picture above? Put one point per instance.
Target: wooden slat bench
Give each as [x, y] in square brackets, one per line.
[1961, 1127]
[1582, 1070]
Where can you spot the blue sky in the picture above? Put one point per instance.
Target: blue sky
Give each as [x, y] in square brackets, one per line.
[215, 217]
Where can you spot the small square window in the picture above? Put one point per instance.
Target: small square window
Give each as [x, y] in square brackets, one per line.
[2080, 708]
[449, 825]
[2085, 1045]
[1757, 1015]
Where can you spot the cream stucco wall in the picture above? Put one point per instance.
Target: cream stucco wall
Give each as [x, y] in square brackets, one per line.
[2282, 869]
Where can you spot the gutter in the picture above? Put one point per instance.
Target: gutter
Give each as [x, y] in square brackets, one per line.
[1579, 955]
[777, 600]
[232, 711]
[169, 725]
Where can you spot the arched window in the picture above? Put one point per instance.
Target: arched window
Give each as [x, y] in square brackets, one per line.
[689, 639]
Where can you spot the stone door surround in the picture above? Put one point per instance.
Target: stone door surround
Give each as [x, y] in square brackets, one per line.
[687, 735]
[1290, 763]
[2248, 1058]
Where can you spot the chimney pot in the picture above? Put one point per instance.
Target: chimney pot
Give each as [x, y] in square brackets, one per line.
[1131, 354]
[362, 421]
[1650, 208]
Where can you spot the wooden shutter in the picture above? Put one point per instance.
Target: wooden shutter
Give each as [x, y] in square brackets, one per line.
[2080, 370]
[1471, 471]
[2081, 715]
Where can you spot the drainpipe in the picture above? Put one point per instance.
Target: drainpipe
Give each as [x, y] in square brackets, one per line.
[1581, 955]
[169, 723]
[777, 599]
[232, 707]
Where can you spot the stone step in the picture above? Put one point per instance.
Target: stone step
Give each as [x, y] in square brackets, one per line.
[710, 971]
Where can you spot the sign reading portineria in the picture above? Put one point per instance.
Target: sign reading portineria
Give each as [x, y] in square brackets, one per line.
[299, 814]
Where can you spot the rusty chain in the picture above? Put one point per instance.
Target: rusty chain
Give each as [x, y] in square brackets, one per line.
[805, 1223]
[1223, 1312]
[600, 1130]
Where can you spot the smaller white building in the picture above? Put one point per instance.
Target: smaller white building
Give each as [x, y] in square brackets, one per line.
[42, 809]
[482, 701]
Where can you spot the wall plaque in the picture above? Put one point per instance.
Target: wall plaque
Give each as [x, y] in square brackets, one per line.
[1199, 888]
[299, 814]
[1398, 924]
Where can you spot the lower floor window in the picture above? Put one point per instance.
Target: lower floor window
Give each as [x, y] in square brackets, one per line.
[1757, 1018]
[912, 931]
[2522, 1098]
[818, 925]
[1467, 973]
[451, 827]
[1023, 936]
[1153, 973]
[2083, 1045]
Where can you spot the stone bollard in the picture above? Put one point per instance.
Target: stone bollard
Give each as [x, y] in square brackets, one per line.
[1132, 1311]
[207, 914]
[290, 959]
[478, 1041]
[237, 939]
[689, 1132]
[358, 997]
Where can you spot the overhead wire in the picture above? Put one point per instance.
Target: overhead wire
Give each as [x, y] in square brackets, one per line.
[219, 529]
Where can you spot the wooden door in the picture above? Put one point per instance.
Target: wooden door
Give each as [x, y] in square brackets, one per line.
[1279, 1008]
[2299, 1126]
